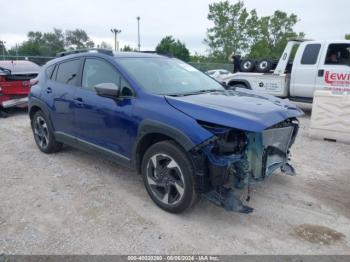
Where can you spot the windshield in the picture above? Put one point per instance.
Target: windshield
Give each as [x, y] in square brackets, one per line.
[168, 76]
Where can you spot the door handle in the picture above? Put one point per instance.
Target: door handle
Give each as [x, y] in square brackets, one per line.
[78, 101]
[48, 90]
[320, 72]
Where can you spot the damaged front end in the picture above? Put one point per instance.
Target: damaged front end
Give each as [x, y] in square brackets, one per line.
[235, 159]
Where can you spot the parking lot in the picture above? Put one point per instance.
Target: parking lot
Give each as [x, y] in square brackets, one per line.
[73, 202]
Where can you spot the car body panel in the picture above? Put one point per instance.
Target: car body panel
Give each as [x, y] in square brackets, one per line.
[243, 109]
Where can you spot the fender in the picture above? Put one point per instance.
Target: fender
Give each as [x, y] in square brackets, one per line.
[33, 101]
[148, 126]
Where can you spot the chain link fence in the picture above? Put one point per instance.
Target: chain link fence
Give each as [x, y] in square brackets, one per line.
[210, 66]
[41, 60]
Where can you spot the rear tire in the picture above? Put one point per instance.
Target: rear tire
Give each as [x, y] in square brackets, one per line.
[43, 134]
[169, 177]
[3, 113]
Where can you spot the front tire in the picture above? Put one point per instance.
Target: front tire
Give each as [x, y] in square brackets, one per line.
[43, 134]
[169, 177]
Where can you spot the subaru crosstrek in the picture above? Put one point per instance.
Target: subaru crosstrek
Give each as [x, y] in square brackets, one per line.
[181, 130]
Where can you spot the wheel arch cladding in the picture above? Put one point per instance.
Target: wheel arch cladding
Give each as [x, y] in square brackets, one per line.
[33, 110]
[151, 132]
[35, 105]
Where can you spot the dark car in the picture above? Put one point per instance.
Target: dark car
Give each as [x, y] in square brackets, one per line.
[184, 132]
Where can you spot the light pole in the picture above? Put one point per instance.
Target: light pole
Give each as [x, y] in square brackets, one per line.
[116, 32]
[138, 33]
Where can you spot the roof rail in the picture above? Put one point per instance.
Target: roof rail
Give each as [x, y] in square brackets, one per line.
[148, 52]
[86, 50]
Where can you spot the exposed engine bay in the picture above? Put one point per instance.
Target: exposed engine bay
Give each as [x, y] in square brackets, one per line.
[235, 159]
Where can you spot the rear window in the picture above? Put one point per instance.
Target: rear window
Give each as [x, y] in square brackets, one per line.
[310, 54]
[68, 71]
[49, 70]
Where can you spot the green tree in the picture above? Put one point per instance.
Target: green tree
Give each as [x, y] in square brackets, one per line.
[104, 45]
[128, 48]
[272, 35]
[237, 29]
[347, 36]
[169, 46]
[41, 44]
[230, 32]
[2, 48]
[78, 39]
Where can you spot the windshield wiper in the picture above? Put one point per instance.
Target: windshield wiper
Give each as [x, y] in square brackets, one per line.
[197, 92]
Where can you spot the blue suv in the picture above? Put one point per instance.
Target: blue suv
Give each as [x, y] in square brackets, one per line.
[185, 133]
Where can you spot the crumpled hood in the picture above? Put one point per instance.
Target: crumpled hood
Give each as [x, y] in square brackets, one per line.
[242, 109]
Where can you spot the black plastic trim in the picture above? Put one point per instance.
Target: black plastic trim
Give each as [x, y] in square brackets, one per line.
[93, 148]
[148, 126]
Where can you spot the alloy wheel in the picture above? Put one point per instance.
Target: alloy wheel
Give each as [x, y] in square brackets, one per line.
[165, 179]
[41, 132]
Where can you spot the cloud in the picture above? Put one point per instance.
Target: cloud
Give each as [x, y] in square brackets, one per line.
[185, 20]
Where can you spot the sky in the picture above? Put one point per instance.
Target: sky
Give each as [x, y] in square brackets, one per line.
[186, 20]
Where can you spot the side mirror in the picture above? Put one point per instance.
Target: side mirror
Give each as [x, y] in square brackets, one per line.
[109, 90]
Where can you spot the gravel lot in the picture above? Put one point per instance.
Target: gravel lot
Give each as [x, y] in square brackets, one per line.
[75, 203]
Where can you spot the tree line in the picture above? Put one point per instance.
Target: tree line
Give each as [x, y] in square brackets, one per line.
[235, 30]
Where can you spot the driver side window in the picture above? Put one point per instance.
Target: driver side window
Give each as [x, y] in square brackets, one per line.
[97, 71]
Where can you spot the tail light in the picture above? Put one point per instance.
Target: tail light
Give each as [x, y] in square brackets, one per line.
[33, 82]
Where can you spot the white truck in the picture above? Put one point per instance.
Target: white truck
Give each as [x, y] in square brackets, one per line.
[316, 65]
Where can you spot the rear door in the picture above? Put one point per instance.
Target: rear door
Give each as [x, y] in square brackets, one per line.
[334, 68]
[305, 70]
[59, 95]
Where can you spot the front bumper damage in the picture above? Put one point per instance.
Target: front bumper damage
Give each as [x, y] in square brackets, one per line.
[235, 159]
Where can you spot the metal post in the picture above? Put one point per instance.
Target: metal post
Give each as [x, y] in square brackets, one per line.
[115, 41]
[138, 33]
[116, 32]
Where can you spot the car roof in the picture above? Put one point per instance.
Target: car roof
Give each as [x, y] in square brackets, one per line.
[116, 55]
[20, 67]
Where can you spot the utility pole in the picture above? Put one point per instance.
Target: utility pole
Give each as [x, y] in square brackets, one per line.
[116, 32]
[138, 33]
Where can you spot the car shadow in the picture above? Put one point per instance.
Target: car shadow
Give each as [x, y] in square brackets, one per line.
[11, 112]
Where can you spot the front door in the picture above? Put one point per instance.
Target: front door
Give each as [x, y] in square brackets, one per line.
[334, 69]
[99, 120]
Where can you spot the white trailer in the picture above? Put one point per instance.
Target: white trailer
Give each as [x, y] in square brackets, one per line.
[317, 65]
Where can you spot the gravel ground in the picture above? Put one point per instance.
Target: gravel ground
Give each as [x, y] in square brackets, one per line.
[75, 203]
